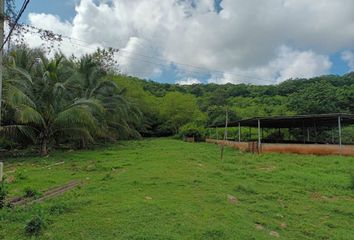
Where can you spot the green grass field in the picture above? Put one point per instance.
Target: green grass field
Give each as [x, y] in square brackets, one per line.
[169, 189]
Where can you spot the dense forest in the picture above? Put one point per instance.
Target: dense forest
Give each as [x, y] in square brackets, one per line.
[58, 102]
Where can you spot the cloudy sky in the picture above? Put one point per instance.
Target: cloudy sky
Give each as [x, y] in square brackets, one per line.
[193, 41]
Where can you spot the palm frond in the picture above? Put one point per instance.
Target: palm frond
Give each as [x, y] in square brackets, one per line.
[14, 97]
[75, 134]
[25, 114]
[21, 72]
[17, 131]
[94, 104]
[75, 116]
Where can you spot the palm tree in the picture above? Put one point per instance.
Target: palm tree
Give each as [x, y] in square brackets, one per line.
[55, 100]
[48, 110]
[121, 116]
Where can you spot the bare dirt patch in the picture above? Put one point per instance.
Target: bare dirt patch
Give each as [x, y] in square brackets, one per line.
[274, 234]
[317, 196]
[232, 199]
[259, 227]
[269, 168]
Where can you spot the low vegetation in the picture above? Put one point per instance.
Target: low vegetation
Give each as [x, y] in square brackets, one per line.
[169, 189]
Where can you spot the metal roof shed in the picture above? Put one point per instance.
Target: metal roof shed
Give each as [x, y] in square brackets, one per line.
[297, 121]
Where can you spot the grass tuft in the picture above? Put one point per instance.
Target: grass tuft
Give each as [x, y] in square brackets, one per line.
[31, 192]
[35, 226]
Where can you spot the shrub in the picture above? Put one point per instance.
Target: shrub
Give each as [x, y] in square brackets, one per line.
[35, 226]
[193, 130]
[3, 194]
[30, 192]
[7, 144]
[59, 208]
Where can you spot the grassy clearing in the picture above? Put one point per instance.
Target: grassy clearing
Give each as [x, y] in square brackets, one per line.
[168, 189]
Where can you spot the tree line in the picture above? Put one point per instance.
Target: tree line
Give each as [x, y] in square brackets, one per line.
[54, 102]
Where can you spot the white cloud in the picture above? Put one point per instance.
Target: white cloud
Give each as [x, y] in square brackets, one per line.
[133, 58]
[288, 63]
[348, 56]
[55, 24]
[188, 81]
[272, 40]
[49, 21]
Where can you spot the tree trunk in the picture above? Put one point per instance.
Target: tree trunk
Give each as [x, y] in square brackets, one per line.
[44, 148]
[82, 144]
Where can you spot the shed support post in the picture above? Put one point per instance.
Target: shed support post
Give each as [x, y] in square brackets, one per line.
[259, 135]
[226, 124]
[308, 135]
[239, 132]
[340, 131]
[332, 135]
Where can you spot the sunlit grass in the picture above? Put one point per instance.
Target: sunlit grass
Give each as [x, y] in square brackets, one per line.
[168, 189]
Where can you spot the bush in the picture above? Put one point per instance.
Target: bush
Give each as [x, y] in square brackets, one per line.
[35, 226]
[59, 208]
[192, 130]
[3, 194]
[30, 192]
[6, 144]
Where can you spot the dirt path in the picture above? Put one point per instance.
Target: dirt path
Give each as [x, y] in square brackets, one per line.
[53, 192]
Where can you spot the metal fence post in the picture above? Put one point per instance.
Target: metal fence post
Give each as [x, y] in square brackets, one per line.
[340, 131]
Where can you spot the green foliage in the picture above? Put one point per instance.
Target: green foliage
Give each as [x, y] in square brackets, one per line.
[59, 208]
[163, 114]
[348, 134]
[260, 106]
[193, 130]
[30, 192]
[35, 226]
[3, 193]
[146, 102]
[178, 109]
[319, 97]
[59, 100]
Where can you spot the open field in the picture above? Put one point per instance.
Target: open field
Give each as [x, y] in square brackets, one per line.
[168, 189]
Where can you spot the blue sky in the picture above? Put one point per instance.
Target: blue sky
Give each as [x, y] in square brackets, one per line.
[63, 8]
[339, 67]
[273, 62]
